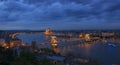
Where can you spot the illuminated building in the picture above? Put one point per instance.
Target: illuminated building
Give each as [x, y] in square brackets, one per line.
[81, 35]
[107, 34]
[48, 31]
[15, 42]
[3, 43]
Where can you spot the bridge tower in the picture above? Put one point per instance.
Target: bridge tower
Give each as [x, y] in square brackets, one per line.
[87, 37]
[54, 41]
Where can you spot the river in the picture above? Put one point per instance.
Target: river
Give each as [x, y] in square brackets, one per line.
[98, 50]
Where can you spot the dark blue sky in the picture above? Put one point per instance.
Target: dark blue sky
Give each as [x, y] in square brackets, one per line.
[59, 14]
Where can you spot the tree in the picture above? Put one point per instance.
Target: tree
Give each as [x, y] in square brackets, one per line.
[34, 45]
[5, 56]
[25, 58]
[45, 62]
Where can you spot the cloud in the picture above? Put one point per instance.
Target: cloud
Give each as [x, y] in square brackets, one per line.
[54, 12]
[11, 10]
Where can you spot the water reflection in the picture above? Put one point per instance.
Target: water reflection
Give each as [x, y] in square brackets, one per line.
[55, 49]
[47, 38]
[111, 49]
[81, 47]
[96, 49]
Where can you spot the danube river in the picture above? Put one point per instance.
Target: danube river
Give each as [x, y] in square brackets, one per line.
[103, 52]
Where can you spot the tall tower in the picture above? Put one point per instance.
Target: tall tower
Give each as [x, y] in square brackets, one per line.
[87, 37]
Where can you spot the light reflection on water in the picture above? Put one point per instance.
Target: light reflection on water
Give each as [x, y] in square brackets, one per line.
[96, 50]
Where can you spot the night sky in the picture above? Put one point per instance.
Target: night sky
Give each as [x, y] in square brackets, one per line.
[59, 14]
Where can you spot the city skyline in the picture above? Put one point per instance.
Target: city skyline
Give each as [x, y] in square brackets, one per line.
[59, 14]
